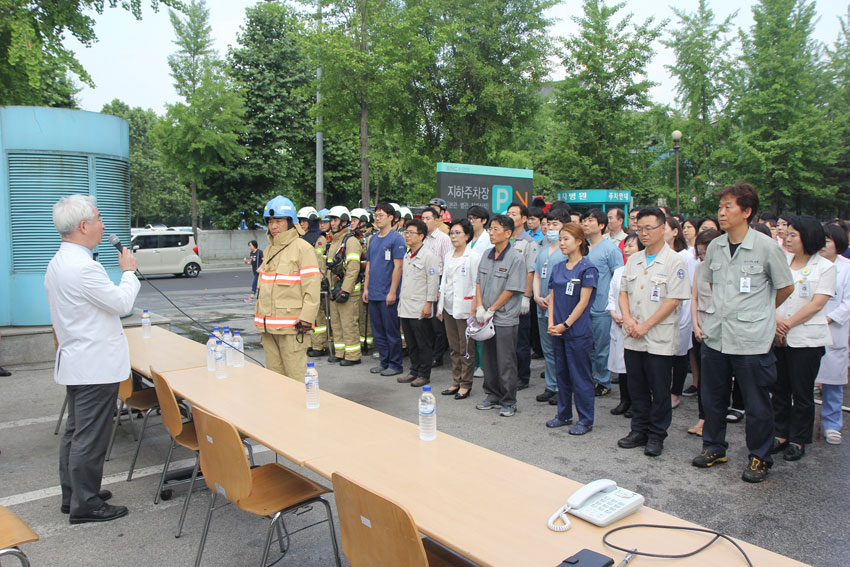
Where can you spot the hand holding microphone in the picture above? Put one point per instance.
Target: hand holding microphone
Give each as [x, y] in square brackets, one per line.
[125, 258]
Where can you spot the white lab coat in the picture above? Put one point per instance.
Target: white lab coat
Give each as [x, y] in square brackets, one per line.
[685, 323]
[85, 309]
[462, 282]
[833, 365]
[616, 360]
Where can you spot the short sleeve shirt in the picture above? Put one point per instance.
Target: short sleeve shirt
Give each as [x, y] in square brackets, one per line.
[648, 286]
[816, 278]
[543, 265]
[566, 296]
[420, 282]
[742, 316]
[528, 248]
[495, 275]
[380, 255]
[606, 256]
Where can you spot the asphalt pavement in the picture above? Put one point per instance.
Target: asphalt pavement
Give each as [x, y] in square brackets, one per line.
[802, 510]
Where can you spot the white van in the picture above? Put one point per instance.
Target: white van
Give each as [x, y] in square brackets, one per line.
[166, 252]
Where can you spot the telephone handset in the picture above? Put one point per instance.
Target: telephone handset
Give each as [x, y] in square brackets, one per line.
[600, 502]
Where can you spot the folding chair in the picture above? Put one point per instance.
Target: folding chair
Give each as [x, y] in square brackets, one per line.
[13, 533]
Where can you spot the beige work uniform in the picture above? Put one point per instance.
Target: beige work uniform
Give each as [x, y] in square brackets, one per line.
[319, 339]
[345, 316]
[648, 287]
[365, 327]
[288, 292]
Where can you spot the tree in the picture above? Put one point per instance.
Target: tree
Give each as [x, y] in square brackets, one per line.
[704, 71]
[35, 66]
[276, 79]
[785, 140]
[599, 140]
[837, 87]
[156, 195]
[200, 138]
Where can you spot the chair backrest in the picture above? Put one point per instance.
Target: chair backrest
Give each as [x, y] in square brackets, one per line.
[125, 388]
[375, 530]
[223, 461]
[13, 530]
[167, 404]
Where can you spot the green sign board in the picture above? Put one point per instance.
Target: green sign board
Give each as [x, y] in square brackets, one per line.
[595, 196]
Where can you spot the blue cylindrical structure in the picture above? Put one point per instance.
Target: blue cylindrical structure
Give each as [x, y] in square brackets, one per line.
[46, 154]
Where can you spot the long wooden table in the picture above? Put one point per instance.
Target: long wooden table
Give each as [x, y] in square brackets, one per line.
[499, 519]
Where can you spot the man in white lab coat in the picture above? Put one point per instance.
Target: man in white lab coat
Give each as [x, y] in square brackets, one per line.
[92, 356]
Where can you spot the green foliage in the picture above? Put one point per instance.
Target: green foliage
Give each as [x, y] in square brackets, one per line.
[836, 86]
[35, 65]
[785, 137]
[599, 142]
[195, 47]
[156, 195]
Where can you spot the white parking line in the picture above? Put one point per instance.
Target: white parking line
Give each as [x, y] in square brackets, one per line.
[28, 421]
[25, 497]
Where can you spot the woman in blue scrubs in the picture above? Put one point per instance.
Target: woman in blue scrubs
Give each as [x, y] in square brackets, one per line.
[572, 288]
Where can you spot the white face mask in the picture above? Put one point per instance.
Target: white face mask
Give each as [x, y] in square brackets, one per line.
[552, 236]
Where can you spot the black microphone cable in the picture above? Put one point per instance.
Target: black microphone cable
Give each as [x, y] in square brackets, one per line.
[116, 242]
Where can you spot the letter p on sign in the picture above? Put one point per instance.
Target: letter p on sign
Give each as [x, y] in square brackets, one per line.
[501, 198]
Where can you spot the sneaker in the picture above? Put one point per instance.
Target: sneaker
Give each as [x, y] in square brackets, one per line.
[558, 422]
[708, 458]
[507, 411]
[580, 429]
[601, 390]
[690, 391]
[794, 452]
[391, 371]
[734, 416]
[546, 395]
[479, 373]
[487, 404]
[756, 471]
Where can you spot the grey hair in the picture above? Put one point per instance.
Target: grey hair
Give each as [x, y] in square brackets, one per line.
[70, 211]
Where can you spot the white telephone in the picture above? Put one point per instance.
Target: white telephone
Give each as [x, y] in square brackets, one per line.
[600, 502]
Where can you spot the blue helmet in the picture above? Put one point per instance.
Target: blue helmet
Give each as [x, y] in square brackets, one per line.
[280, 207]
[323, 215]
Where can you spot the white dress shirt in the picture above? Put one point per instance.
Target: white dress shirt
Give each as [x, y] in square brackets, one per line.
[439, 244]
[85, 309]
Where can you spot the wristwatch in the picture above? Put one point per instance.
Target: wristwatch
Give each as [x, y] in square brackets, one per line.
[567, 325]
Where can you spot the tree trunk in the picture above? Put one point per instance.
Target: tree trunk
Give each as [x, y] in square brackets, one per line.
[194, 187]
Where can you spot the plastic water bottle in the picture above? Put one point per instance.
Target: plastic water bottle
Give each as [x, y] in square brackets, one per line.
[238, 350]
[427, 414]
[311, 383]
[216, 332]
[211, 353]
[226, 342]
[147, 332]
[220, 362]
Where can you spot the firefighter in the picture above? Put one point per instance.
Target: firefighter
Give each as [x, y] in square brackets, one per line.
[288, 295]
[363, 232]
[321, 332]
[346, 285]
[442, 206]
[308, 219]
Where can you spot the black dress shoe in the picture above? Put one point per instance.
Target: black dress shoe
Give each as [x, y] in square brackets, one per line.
[460, 396]
[346, 362]
[521, 385]
[314, 352]
[103, 495]
[628, 414]
[632, 440]
[333, 358]
[4, 372]
[794, 452]
[778, 446]
[653, 447]
[621, 408]
[105, 513]
[450, 391]
[553, 401]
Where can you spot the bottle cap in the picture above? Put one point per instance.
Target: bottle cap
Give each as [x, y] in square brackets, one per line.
[215, 329]
[218, 341]
[226, 328]
[310, 365]
[144, 310]
[235, 332]
[426, 388]
[212, 336]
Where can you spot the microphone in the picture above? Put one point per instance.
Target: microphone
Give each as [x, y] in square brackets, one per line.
[116, 242]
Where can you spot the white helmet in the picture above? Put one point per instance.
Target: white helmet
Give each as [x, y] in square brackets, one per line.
[360, 213]
[309, 213]
[340, 212]
[406, 214]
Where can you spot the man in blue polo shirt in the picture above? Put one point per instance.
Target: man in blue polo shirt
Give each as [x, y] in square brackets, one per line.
[384, 259]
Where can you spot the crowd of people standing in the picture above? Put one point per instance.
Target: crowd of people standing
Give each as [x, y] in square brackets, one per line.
[756, 309]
